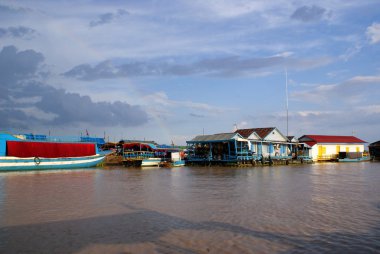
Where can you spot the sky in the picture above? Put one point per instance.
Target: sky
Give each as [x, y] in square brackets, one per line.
[170, 70]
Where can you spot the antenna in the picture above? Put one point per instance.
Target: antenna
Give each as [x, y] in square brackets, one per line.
[287, 102]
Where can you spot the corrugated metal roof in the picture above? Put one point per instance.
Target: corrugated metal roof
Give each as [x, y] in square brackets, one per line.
[313, 139]
[262, 132]
[215, 137]
[377, 143]
[291, 137]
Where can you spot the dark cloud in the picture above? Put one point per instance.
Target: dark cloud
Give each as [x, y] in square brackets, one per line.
[108, 17]
[73, 108]
[26, 101]
[18, 66]
[309, 13]
[225, 66]
[17, 32]
[6, 10]
[9, 12]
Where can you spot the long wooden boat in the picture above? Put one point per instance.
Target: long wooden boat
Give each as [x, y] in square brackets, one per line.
[20, 154]
[364, 158]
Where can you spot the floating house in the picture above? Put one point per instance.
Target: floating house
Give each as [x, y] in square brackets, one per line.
[334, 148]
[374, 150]
[219, 148]
[268, 143]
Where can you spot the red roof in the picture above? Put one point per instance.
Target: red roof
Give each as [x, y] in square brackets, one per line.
[314, 139]
[262, 132]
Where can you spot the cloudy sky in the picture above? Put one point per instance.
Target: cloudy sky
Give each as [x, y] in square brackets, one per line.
[170, 70]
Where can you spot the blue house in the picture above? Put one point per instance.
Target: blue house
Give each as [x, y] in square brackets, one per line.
[268, 143]
[219, 148]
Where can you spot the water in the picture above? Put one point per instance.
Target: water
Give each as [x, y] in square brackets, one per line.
[319, 208]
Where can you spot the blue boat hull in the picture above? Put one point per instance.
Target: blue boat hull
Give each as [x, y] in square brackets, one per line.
[35, 163]
[179, 163]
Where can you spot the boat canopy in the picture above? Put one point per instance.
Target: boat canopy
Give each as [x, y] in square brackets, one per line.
[136, 146]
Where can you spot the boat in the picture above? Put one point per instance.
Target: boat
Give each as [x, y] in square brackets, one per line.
[140, 154]
[171, 157]
[151, 162]
[18, 154]
[179, 163]
[364, 158]
[352, 157]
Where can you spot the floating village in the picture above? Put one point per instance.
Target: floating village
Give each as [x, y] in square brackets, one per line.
[244, 147]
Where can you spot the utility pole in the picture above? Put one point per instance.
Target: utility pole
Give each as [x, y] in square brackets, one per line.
[287, 102]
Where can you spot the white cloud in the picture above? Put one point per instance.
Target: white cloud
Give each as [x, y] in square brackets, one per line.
[350, 52]
[284, 54]
[370, 109]
[39, 114]
[373, 33]
[365, 79]
[230, 9]
[314, 113]
[160, 100]
[354, 91]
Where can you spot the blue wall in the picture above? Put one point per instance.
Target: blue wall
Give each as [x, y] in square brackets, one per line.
[3, 142]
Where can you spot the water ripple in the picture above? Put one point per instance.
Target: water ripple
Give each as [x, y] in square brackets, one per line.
[322, 208]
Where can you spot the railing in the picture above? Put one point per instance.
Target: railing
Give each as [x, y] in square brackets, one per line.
[138, 155]
[281, 157]
[194, 157]
[304, 157]
[327, 157]
[224, 157]
[61, 138]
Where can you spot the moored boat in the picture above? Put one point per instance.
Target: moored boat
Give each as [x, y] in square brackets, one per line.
[364, 158]
[23, 154]
[151, 162]
[139, 154]
[179, 163]
[353, 157]
[171, 157]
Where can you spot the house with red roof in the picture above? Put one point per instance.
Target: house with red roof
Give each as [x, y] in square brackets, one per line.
[332, 148]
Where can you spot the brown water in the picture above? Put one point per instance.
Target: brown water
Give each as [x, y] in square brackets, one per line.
[320, 208]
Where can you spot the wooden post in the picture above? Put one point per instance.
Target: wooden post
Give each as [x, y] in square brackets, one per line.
[229, 150]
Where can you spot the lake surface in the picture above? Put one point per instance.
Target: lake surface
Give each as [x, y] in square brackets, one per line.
[318, 208]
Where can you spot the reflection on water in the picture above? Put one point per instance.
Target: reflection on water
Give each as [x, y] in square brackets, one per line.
[292, 209]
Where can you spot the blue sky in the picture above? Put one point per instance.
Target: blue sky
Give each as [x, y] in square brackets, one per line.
[170, 70]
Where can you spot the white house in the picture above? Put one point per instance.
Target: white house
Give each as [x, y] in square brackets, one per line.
[325, 148]
[266, 141]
